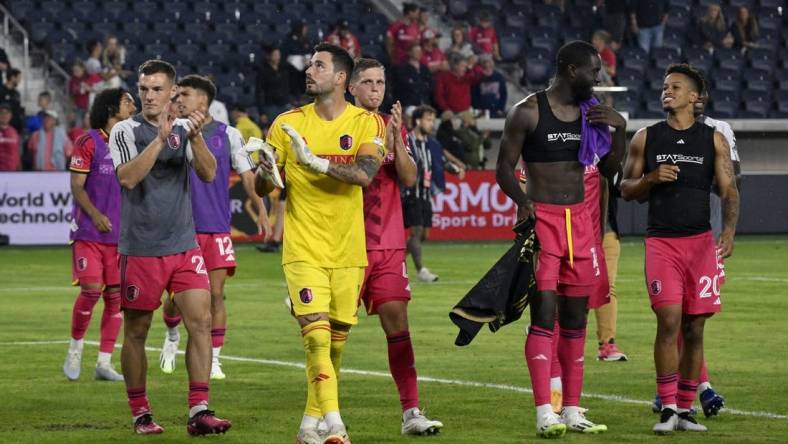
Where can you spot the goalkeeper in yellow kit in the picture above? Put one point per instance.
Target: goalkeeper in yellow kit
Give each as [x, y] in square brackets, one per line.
[328, 150]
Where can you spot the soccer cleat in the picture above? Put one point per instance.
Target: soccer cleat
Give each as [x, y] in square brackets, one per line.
[107, 373]
[425, 275]
[711, 402]
[550, 426]
[415, 423]
[206, 423]
[668, 422]
[144, 425]
[688, 423]
[168, 353]
[610, 352]
[656, 406]
[269, 247]
[337, 435]
[575, 421]
[216, 370]
[73, 364]
[308, 436]
[556, 400]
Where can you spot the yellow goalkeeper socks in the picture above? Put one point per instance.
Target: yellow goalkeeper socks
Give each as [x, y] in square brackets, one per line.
[321, 378]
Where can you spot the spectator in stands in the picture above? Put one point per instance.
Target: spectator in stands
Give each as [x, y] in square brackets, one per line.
[474, 142]
[36, 121]
[453, 87]
[614, 20]
[448, 137]
[341, 36]
[113, 60]
[272, 88]
[402, 34]
[80, 86]
[297, 50]
[460, 45]
[713, 29]
[412, 80]
[244, 123]
[485, 37]
[432, 56]
[745, 29]
[49, 146]
[80, 126]
[4, 62]
[93, 63]
[10, 95]
[9, 141]
[648, 19]
[490, 94]
[601, 39]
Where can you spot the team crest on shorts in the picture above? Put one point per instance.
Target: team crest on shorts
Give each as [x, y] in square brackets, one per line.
[132, 293]
[174, 141]
[656, 287]
[345, 142]
[82, 264]
[306, 295]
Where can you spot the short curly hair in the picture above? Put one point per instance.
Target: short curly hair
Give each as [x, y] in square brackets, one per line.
[691, 72]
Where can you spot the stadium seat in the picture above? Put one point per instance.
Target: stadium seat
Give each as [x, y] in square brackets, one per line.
[136, 28]
[758, 80]
[511, 48]
[492, 5]
[518, 22]
[729, 59]
[458, 8]
[761, 59]
[639, 65]
[725, 79]
[537, 70]
[157, 49]
[724, 110]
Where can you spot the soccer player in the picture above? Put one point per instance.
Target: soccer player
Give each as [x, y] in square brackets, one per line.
[386, 290]
[211, 207]
[151, 153]
[672, 164]
[94, 233]
[546, 128]
[328, 149]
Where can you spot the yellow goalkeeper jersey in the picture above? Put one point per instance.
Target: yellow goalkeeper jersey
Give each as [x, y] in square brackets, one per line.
[324, 217]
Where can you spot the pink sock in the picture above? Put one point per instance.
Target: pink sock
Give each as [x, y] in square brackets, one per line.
[111, 320]
[555, 365]
[403, 369]
[571, 353]
[217, 337]
[171, 321]
[138, 401]
[198, 393]
[687, 389]
[667, 386]
[538, 357]
[83, 310]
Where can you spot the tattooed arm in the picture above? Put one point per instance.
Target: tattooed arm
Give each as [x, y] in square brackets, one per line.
[729, 194]
[362, 171]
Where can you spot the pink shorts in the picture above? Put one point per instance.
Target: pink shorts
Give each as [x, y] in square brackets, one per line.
[554, 270]
[683, 271]
[144, 278]
[385, 279]
[600, 293]
[94, 263]
[217, 249]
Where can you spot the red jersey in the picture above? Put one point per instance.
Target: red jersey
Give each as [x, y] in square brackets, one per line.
[608, 57]
[404, 35]
[349, 43]
[9, 149]
[431, 59]
[385, 229]
[484, 38]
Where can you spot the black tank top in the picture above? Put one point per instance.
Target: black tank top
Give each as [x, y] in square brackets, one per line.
[552, 140]
[680, 208]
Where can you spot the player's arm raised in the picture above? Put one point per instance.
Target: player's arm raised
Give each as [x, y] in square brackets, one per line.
[514, 133]
[606, 115]
[131, 167]
[403, 161]
[203, 161]
[636, 185]
[729, 194]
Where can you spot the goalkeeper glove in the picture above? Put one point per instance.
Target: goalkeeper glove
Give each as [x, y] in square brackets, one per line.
[303, 153]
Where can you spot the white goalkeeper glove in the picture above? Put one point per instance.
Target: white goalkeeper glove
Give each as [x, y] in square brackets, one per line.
[303, 153]
[267, 155]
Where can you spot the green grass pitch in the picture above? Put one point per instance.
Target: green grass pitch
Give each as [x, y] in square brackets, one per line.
[264, 394]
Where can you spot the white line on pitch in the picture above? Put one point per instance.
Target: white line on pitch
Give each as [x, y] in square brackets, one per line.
[458, 382]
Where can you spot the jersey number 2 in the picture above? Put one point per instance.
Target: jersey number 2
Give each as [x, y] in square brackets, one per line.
[200, 264]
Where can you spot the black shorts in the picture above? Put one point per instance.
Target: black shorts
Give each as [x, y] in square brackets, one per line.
[417, 212]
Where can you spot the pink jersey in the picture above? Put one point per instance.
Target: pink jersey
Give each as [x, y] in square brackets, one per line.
[383, 219]
[592, 181]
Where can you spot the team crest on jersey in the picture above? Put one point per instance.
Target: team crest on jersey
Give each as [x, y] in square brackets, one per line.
[306, 295]
[346, 142]
[656, 287]
[82, 264]
[216, 141]
[174, 141]
[132, 293]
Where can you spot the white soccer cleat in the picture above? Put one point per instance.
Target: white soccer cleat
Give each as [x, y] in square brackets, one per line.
[216, 370]
[668, 422]
[425, 275]
[309, 436]
[550, 426]
[337, 435]
[73, 364]
[687, 423]
[105, 372]
[168, 352]
[575, 421]
[415, 423]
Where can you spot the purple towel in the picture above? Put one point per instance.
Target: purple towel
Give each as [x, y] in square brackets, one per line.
[595, 140]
